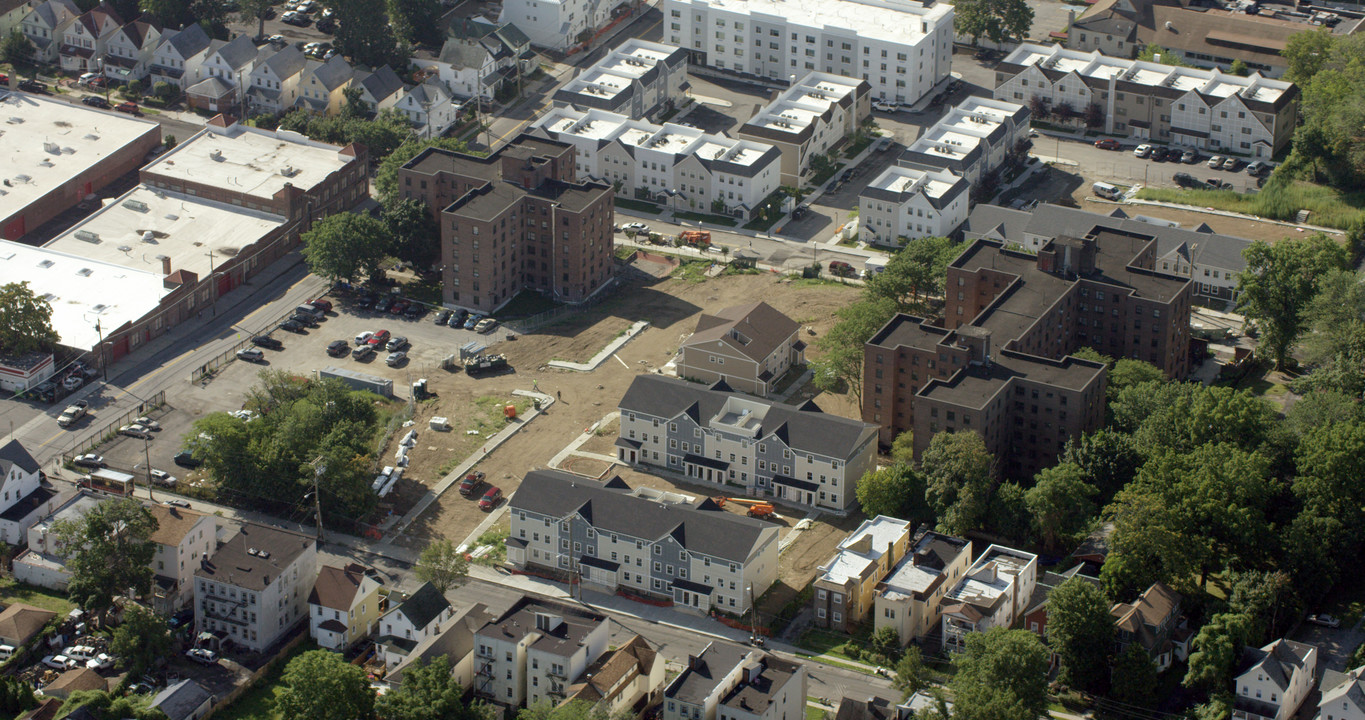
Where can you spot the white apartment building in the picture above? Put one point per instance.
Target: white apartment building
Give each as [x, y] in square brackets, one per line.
[641, 541]
[972, 140]
[727, 682]
[638, 79]
[536, 651]
[795, 454]
[183, 538]
[412, 621]
[1190, 107]
[559, 24]
[680, 167]
[809, 118]
[254, 588]
[903, 204]
[901, 48]
[993, 594]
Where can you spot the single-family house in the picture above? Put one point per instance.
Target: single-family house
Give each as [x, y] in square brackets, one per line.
[462, 66]
[1035, 614]
[23, 499]
[345, 605]
[12, 14]
[75, 681]
[177, 58]
[185, 700]
[274, 85]
[323, 84]
[1343, 695]
[224, 70]
[379, 90]
[20, 622]
[420, 616]
[1151, 622]
[749, 346]
[129, 52]
[429, 107]
[1272, 682]
[45, 25]
[910, 598]
[845, 584]
[631, 676]
[85, 41]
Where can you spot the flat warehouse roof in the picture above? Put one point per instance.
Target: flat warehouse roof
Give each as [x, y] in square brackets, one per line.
[44, 143]
[251, 161]
[886, 21]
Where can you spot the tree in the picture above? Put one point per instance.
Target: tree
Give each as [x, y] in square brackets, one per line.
[1060, 502]
[321, 685]
[1134, 677]
[1080, 630]
[1278, 284]
[903, 448]
[257, 10]
[1324, 407]
[1158, 54]
[365, 35]
[1266, 598]
[1331, 461]
[1064, 111]
[958, 471]
[1195, 415]
[107, 707]
[428, 691]
[1127, 372]
[1008, 514]
[997, 20]
[168, 12]
[841, 363]
[1039, 107]
[1305, 54]
[16, 49]
[417, 21]
[108, 552]
[1214, 651]
[140, 639]
[1094, 115]
[1108, 459]
[346, 246]
[210, 14]
[386, 177]
[576, 710]
[25, 320]
[442, 565]
[911, 674]
[165, 91]
[914, 273]
[1001, 675]
[415, 238]
[896, 490]
[886, 642]
[1239, 68]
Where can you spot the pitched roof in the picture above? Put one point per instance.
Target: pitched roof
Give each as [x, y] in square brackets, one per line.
[255, 556]
[602, 679]
[173, 523]
[180, 700]
[20, 622]
[336, 587]
[382, 83]
[423, 606]
[46, 710]
[456, 640]
[236, 53]
[1343, 687]
[612, 507]
[13, 454]
[75, 680]
[1278, 660]
[333, 73]
[190, 41]
[1152, 607]
[137, 32]
[462, 54]
[213, 87]
[286, 63]
[873, 708]
[754, 330]
[704, 672]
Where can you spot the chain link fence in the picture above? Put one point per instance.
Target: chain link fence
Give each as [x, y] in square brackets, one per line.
[110, 429]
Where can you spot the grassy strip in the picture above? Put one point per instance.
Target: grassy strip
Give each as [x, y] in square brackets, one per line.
[12, 591]
[703, 217]
[1278, 200]
[638, 205]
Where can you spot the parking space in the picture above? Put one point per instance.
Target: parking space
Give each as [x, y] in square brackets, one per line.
[296, 34]
[1121, 167]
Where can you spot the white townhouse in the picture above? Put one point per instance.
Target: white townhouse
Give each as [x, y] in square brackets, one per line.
[639, 79]
[45, 25]
[729, 682]
[903, 204]
[1272, 682]
[429, 107]
[901, 48]
[274, 84]
[973, 140]
[322, 85]
[177, 58]
[462, 66]
[130, 50]
[812, 117]
[994, 593]
[380, 89]
[183, 538]
[420, 616]
[641, 542]
[560, 24]
[223, 72]
[536, 651]
[795, 454]
[254, 588]
[85, 41]
[681, 167]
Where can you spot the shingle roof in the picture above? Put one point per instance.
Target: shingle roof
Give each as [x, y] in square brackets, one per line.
[607, 673]
[180, 700]
[336, 587]
[461, 54]
[333, 73]
[286, 63]
[382, 83]
[191, 41]
[704, 672]
[14, 454]
[237, 52]
[611, 508]
[1343, 688]
[754, 330]
[173, 523]
[209, 87]
[456, 640]
[424, 605]
[1279, 660]
[20, 622]
[75, 680]
[255, 556]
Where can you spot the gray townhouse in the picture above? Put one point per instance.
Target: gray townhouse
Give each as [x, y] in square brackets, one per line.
[797, 455]
[699, 556]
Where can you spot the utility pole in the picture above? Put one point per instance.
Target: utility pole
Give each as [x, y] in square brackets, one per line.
[104, 354]
[319, 467]
[147, 461]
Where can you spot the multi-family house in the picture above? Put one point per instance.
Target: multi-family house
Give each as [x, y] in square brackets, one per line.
[901, 48]
[45, 25]
[846, 584]
[817, 114]
[462, 66]
[12, 14]
[877, 708]
[479, 58]
[1034, 617]
[322, 85]
[560, 24]
[254, 589]
[628, 677]
[639, 79]
[183, 538]
[1207, 109]
[177, 58]
[23, 498]
[1151, 622]
[420, 616]
[904, 204]
[344, 606]
[910, 598]
[1343, 695]
[455, 643]
[1271, 683]
[85, 41]
[535, 651]
[380, 89]
[44, 562]
[749, 346]
[612, 537]
[681, 167]
[728, 682]
[992, 594]
[429, 107]
[129, 53]
[973, 140]
[274, 84]
[712, 435]
[223, 74]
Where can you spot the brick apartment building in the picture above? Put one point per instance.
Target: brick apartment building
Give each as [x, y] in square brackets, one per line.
[540, 229]
[1027, 396]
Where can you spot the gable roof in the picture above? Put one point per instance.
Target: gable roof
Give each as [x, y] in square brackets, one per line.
[286, 63]
[382, 83]
[236, 53]
[137, 32]
[173, 524]
[75, 680]
[1151, 609]
[423, 606]
[336, 587]
[599, 679]
[455, 641]
[1279, 660]
[20, 622]
[180, 700]
[255, 557]
[13, 454]
[754, 330]
[96, 16]
[333, 73]
[1343, 687]
[47, 12]
[462, 54]
[190, 41]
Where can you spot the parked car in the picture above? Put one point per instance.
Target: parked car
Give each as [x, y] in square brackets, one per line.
[59, 662]
[295, 18]
[178, 503]
[383, 304]
[442, 317]
[363, 338]
[1160, 154]
[379, 338]
[395, 358]
[337, 348]
[457, 320]
[885, 106]
[471, 482]
[1258, 168]
[85, 78]
[1186, 180]
[250, 355]
[88, 460]
[486, 325]
[128, 107]
[638, 228]
[293, 326]
[1108, 144]
[33, 86]
[182, 618]
[80, 653]
[472, 321]
[148, 423]
[72, 382]
[1189, 157]
[162, 478]
[398, 307]
[138, 431]
[323, 305]
[202, 656]
[490, 499]
[96, 101]
[1232, 164]
[186, 459]
[266, 341]
[1216, 161]
[415, 310]
[396, 343]
[304, 319]
[841, 269]
[101, 661]
[1325, 620]
[364, 352]
[278, 41]
[1142, 151]
[1218, 184]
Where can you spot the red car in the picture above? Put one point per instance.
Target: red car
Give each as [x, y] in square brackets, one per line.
[399, 306]
[323, 305]
[471, 482]
[128, 107]
[379, 338]
[1108, 144]
[490, 499]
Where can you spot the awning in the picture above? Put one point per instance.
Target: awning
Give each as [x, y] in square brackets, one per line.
[793, 482]
[706, 462]
[695, 587]
[599, 563]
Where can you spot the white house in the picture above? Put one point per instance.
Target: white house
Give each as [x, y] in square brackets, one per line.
[23, 499]
[419, 617]
[904, 204]
[638, 79]
[177, 58]
[183, 538]
[42, 564]
[45, 25]
[429, 107]
[85, 41]
[992, 594]
[1343, 695]
[130, 50]
[816, 114]
[729, 682]
[274, 84]
[559, 24]
[223, 73]
[1272, 682]
[462, 66]
[254, 588]
[381, 89]
[536, 651]
[972, 140]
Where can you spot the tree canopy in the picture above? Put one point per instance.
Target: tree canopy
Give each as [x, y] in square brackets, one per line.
[1080, 630]
[1060, 502]
[428, 691]
[998, 21]
[25, 320]
[1001, 675]
[108, 552]
[140, 639]
[321, 685]
[842, 362]
[914, 273]
[896, 490]
[346, 246]
[958, 471]
[1279, 283]
[442, 564]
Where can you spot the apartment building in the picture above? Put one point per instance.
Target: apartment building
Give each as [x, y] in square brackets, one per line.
[629, 677]
[45, 26]
[795, 454]
[1210, 260]
[903, 204]
[639, 79]
[750, 347]
[535, 651]
[176, 60]
[1027, 395]
[1272, 682]
[254, 588]
[900, 48]
[495, 201]
[129, 52]
[183, 538]
[846, 583]
[992, 594]
[728, 682]
[972, 140]
[455, 643]
[85, 41]
[478, 58]
[812, 117]
[344, 606]
[700, 557]
[1343, 695]
[679, 167]
[1207, 109]
[561, 24]
[415, 619]
[910, 598]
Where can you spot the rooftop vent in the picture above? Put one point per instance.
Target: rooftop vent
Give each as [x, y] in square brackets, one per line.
[124, 248]
[45, 264]
[87, 236]
[289, 171]
[51, 147]
[85, 272]
[137, 205]
[216, 155]
[148, 236]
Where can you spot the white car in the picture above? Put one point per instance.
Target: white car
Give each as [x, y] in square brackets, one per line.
[87, 77]
[885, 106]
[148, 423]
[59, 662]
[136, 431]
[1216, 162]
[202, 656]
[637, 227]
[244, 415]
[363, 338]
[80, 652]
[1142, 151]
[162, 478]
[73, 382]
[100, 662]
[89, 460]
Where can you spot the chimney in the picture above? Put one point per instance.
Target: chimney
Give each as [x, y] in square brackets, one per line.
[165, 265]
[693, 662]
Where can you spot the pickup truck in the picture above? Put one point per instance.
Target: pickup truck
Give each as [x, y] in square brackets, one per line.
[73, 412]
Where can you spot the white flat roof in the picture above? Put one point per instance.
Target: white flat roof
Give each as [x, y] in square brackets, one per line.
[44, 143]
[899, 179]
[184, 228]
[850, 562]
[946, 141]
[980, 587]
[252, 161]
[889, 20]
[798, 106]
[597, 125]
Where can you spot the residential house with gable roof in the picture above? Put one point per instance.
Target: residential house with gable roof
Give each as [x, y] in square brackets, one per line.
[85, 41]
[20, 622]
[795, 454]
[1343, 695]
[177, 58]
[627, 679]
[749, 346]
[345, 605]
[1034, 618]
[420, 616]
[478, 58]
[183, 538]
[380, 89]
[130, 51]
[12, 14]
[845, 584]
[45, 25]
[994, 593]
[904, 204]
[429, 107]
[253, 590]
[462, 66]
[23, 498]
[535, 651]
[641, 542]
[274, 83]
[1272, 682]
[224, 71]
[322, 85]
[910, 597]
[729, 682]
[455, 642]
[1152, 622]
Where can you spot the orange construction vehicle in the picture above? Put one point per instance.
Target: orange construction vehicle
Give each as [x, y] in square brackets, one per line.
[696, 238]
[757, 508]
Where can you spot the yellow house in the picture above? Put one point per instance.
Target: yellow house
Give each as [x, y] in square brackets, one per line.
[846, 582]
[345, 606]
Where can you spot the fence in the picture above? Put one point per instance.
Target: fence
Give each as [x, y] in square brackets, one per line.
[230, 354]
[106, 432]
[284, 653]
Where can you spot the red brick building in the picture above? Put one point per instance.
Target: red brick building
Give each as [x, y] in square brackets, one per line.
[999, 362]
[513, 221]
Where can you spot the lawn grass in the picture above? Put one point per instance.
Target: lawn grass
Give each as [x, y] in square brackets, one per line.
[815, 713]
[12, 591]
[823, 642]
[1278, 200]
[692, 270]
[258, 702]
[487, 419]
[638, 205]
[703, 217]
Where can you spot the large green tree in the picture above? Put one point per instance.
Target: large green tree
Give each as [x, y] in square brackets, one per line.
[841, 364]
[1305, 53]
[108, 552]
[1331, 462]
[1214, 651]
[911, 674]
[417, 21]
[895, 490]
[1001, 675]
[321, 685]
[1279, 283]
[958, 472]
[1108, 459]
[428, 691]
[365, 35]
[1134, 678]
[915, 273]
[414, 236]
[442, 564]
[386, 177]
[1080, 630]
[346, 246]
[998, 21]
[1061, 503]
[140, 639]
[25, 320]
[16, 48]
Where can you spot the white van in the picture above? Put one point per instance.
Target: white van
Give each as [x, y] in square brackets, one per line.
[6, 652]
[1107, 191]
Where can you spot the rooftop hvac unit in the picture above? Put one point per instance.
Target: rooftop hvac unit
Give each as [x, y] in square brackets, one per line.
[52, 147]
[87, 236]
[216, 155]
[148, 237]
[137, 205]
